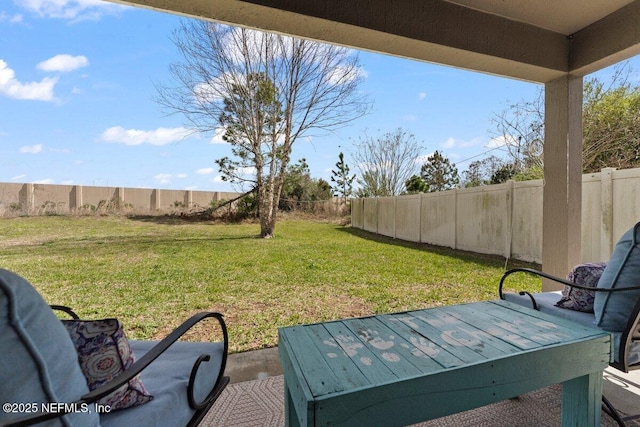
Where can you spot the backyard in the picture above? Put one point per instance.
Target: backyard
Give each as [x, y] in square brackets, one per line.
[154, 272]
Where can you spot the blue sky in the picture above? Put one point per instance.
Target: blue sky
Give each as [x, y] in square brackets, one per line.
[77, 86]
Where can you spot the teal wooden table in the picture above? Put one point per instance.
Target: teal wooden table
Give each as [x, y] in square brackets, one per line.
[403, 368]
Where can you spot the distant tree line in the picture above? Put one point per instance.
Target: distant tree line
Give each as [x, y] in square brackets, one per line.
[388, 164]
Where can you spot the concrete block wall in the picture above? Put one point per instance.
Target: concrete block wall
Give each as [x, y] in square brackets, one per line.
[35, 199]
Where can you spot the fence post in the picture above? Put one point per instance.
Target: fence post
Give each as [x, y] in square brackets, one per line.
[509, 219]
[395, 215]
[606, 213]
[455, 218]
[421, 195]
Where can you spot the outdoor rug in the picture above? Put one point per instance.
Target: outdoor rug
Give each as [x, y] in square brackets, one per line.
[259, 403]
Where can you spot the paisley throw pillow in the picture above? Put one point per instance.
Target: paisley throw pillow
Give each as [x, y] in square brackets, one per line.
[104, 353]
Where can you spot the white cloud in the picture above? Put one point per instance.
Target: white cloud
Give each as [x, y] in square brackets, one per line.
[18, 178]
[74, 10]
[246, 171]
[163, 178]
[461, 143]
[204, 171]
[501, 141]
[422, 96]
[67, 182]
[181, 175]
[449, 143]
[160, 136]
[421, 160]
[206, 93]
[31, 149]
[63, 63]
[12, 19]
[60, 150]
[11, 87]
[44, 181]
[217, 137]
[341, 75]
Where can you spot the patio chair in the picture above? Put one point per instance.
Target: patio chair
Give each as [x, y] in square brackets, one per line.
[83, 373]
[607, 296]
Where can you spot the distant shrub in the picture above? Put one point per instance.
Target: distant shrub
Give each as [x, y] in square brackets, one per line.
[52, 208]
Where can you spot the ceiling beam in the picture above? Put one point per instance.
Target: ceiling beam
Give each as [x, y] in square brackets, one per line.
[612, 39]
[428, 30]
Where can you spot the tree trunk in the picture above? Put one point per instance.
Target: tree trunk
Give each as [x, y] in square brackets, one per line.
[268, 208]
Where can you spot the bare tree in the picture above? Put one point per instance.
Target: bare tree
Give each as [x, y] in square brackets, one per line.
[262, 92]
[520, 129]
[480, 172]
[386, 162]
[610, 122]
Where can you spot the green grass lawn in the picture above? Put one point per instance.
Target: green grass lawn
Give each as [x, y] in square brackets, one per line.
[152, 273]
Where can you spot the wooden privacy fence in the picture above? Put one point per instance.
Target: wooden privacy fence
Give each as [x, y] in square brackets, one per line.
[505, 219]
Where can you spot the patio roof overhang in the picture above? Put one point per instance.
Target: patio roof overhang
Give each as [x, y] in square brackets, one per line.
[524, 39]
[554, 43]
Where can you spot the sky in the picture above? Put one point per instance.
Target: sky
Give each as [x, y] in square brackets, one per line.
[78, 80]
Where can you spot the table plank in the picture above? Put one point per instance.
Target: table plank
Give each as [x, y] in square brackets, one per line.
[362, 357]
[464, 333]
[323, 345]
[390, 348]
[311, 366]
[419, 345]
[536, 329]
[486, 323]
[435, 334]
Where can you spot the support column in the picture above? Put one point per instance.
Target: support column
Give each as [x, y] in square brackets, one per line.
[154, 204]
[27, 199]
[118, 197]
[76, 202]
[562, 194]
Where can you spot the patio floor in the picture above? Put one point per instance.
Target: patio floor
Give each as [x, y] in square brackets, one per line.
[255, 398]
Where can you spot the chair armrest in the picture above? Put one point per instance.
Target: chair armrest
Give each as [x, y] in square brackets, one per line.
[67, 310]
[139, 366]
[536, 273]
[555, 279]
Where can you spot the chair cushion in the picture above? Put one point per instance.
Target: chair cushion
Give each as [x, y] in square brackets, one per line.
[584, 275]
[612, 309]
[167, 378]
[104, 353]
[38, 362]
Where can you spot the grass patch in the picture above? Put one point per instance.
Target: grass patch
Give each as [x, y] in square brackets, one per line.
[152, 273]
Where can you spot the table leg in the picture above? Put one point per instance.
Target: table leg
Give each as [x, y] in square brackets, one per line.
[582, 400]
[290, 416]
